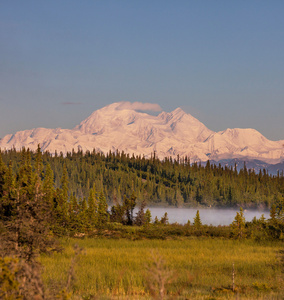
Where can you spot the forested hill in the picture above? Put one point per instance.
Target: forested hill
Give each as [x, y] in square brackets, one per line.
[167, 182]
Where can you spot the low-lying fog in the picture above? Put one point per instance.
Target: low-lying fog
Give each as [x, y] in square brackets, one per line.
[214, 216]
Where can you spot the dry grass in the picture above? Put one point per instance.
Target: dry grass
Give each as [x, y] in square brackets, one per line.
[185, 269]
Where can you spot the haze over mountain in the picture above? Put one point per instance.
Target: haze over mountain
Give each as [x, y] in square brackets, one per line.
[120, 126]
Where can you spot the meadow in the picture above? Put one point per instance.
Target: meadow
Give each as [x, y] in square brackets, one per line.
[125, 255]
[185, 268]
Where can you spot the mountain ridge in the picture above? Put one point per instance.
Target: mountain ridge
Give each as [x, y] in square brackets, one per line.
[117, 127]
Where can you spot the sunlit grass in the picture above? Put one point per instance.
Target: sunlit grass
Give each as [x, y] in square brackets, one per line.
[201, 267]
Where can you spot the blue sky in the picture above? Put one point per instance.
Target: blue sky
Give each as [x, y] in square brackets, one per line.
[221, 61]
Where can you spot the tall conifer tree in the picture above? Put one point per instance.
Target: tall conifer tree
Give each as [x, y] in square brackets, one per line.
[102, 211]
[92, 207]
[238, 225]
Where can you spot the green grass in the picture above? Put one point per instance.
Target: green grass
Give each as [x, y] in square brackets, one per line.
[201, 268]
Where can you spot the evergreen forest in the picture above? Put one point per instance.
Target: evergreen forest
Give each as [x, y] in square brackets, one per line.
[46, 199]
[169, 182]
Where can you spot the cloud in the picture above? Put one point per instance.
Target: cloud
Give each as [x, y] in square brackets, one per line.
[71, 103]
[140, 106]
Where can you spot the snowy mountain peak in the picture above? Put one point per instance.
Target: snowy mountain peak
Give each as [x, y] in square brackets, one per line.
[245, 136]
[126, 126]
[110, 107]
[178, 112]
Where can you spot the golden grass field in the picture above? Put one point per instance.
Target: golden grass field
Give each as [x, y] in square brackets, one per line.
[191, 268]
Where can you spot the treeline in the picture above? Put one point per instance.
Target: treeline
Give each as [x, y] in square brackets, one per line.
[175, 182]
[32, 207]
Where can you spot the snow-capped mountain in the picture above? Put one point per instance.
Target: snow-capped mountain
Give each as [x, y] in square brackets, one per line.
[168, 134]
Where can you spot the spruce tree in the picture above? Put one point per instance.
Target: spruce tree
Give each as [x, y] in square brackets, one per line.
[26, 221]
[102, 211]
[148, 216]
[140, 216]
[179, 201]
[129, 205]
[118, 214]
[6, 187]
[279, 201]
[83, 217]
[238, 229]
[3, 170]
[156, 221]
[197, 221]
[92, 207]
[61, 205]
[64, 184]
[8, 199]
[48, 186]
[165, 219]
[273, 214]
[38, 162]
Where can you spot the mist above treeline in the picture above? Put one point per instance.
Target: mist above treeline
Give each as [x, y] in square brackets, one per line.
[168, 182]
